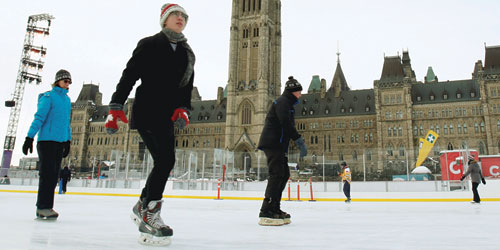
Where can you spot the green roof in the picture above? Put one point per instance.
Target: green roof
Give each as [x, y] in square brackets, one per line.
[315, 85]
[430, 77]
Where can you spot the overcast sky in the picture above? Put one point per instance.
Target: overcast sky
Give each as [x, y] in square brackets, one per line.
[93, 39]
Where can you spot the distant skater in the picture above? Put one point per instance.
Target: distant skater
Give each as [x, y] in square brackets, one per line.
[65, 177]
[279, 129]
[346, 179]
[52, 123]
[476, 176]
[165, 64]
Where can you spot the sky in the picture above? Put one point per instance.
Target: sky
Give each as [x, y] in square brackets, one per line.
[93, 39]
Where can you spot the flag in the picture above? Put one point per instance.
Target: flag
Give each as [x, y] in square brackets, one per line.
[425, 146]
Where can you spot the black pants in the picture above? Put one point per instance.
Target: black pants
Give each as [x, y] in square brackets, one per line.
[50, 157]
[279, 173]
[64, 183]
[475, 192]
[347, 189]
[161, 146]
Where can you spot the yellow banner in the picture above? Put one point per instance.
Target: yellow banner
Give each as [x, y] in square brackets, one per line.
[425, 146]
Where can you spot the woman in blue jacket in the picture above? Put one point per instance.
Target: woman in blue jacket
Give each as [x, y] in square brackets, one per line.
[52, 123]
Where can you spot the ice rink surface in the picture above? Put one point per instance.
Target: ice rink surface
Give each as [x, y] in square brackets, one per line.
[102, 222]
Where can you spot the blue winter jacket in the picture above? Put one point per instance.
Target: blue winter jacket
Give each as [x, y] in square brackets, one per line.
[52, 119]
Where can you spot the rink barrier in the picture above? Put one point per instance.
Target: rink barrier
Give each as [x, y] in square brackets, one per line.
[260, 198]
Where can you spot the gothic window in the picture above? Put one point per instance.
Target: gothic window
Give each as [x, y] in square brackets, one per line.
[421, 130]
[451, 129]
[465, 128]
[368, 155]
[401, 150]
[366, 137]
[371, 137]
[219, 116]
[419, 98]
[316, 140]
[327, 111]
[389, 132]
[415, 131]
[342, 110]
[367, 108]
[341, 156]
[431, 97]
[476, 127]
[482, 127]
[311, 112]
[459, 95]
[312, 139]
[437, 129]
[351, 109]
[246, 114]
[400, 131]
[304, 111]
[472, 94]
[482, 148]
[498, 125]
[389, 150]
[355, 155]
[445, 96]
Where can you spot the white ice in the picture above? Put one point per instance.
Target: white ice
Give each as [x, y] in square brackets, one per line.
[102, 222]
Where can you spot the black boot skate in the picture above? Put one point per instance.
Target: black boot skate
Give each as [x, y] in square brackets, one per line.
[46, 214]
[153, 229]
[269, 218]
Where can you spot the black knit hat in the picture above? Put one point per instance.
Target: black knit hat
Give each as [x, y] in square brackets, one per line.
[292, 85]
[61, 75]
[343, 164]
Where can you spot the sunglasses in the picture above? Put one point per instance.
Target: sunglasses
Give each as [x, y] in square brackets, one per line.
[67, 81]
[179, 14]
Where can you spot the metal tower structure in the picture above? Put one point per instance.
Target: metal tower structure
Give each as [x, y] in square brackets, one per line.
[30, 68]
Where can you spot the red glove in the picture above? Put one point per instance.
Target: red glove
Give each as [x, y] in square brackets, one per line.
[180, 113]
[112, 120]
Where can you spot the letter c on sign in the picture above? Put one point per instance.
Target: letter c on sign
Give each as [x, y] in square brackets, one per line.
[452, 169]
[494, 168]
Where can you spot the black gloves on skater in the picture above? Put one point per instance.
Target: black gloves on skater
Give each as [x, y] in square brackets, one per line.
[28, 144]
[483, 181]
[66, 146]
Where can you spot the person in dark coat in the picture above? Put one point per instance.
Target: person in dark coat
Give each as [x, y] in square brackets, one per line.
[476, 176]
[52, 124]
[279, 129]
[165, 64]
[65, 176]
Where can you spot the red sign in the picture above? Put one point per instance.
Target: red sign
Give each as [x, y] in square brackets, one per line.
[490, 164]
[452, 163]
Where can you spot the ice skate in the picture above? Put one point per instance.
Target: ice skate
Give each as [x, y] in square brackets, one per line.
[271, 219]
[46, 214]
[286, 217]
[348, 200]
[136, 212]
[475, 202]
[153, 230]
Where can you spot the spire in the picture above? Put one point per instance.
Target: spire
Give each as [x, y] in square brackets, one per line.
[339, 82]
[315, 86]
[430, 77]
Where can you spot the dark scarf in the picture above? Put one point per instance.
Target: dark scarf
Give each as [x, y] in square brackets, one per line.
[180, 39]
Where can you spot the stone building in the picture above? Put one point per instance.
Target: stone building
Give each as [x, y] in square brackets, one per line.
[379, 126]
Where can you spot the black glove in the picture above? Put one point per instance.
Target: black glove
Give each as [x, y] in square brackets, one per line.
[302, 146]
[483, 180]
[66, 146]
[463, 177]
[28, 144]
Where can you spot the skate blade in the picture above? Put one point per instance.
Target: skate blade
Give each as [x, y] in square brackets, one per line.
[41, 218]
[271, 222]
[135, 219]
[150, 240]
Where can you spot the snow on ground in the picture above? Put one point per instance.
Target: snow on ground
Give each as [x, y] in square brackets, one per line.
[102, 222]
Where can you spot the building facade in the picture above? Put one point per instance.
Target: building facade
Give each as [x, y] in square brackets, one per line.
[370, 127]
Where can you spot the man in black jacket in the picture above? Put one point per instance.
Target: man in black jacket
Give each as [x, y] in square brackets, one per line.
[165, 64]
[279, 128]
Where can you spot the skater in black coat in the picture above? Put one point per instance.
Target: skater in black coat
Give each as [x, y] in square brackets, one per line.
[165, 64]
[65, 176]
[279, 129]
[476, 176]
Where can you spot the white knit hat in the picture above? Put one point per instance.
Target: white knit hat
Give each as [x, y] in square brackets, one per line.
[168, 8]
